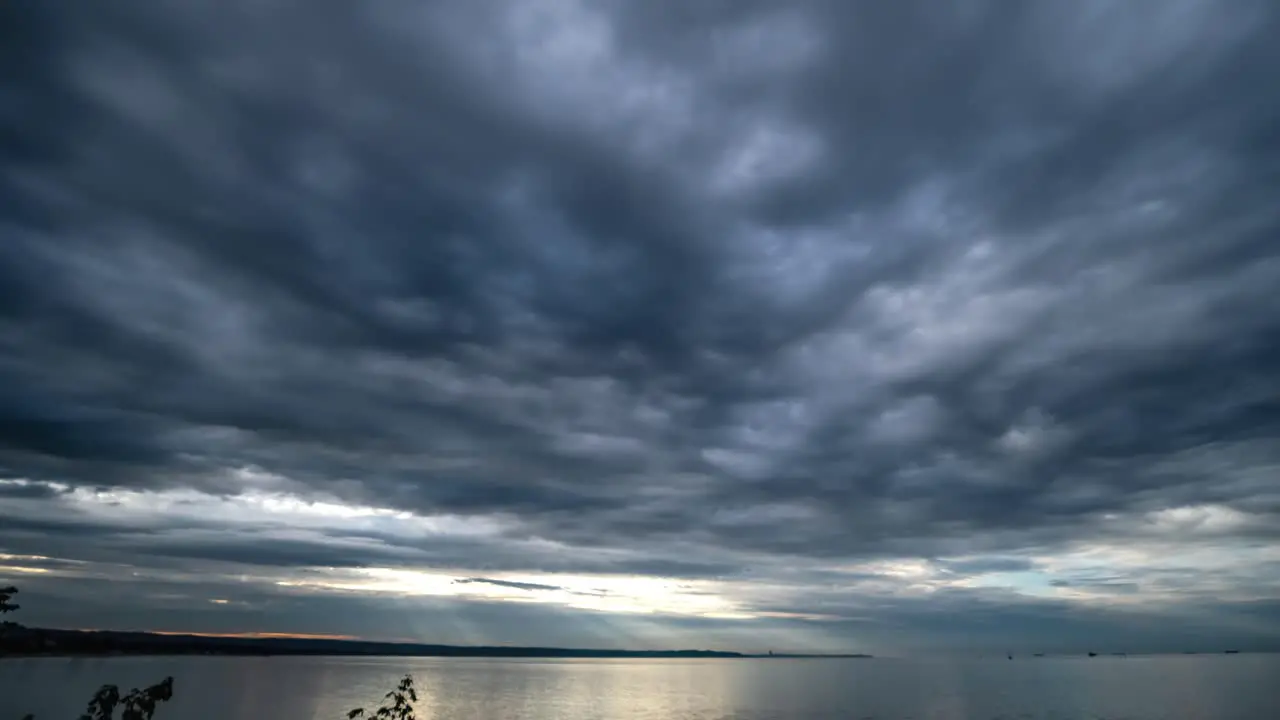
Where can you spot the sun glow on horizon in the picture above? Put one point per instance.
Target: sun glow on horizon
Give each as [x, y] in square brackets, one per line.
[627, 594]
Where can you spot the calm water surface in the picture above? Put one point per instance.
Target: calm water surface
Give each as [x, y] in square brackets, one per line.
[1236, 687]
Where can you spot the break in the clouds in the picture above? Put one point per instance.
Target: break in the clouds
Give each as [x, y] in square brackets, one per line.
[834, 325]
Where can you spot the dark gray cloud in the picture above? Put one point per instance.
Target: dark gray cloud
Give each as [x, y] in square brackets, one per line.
[509, 584]
[756, 294]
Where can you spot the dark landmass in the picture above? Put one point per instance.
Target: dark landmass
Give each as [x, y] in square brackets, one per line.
[36, 641]
[793, 656]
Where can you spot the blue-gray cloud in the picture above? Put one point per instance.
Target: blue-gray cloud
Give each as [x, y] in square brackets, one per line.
[762, 294]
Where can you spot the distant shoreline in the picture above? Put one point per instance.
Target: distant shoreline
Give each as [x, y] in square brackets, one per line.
[602, 655]
[43, 642]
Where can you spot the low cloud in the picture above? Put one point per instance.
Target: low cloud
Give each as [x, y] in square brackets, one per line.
[508, 584]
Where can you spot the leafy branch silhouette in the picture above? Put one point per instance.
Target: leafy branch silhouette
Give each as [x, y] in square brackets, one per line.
[137, 705]
[396, 705]
[142, 704]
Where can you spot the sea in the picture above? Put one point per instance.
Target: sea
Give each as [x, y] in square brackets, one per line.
[1181, 687]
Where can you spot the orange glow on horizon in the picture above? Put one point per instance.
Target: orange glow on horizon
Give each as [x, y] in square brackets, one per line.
[259, 635]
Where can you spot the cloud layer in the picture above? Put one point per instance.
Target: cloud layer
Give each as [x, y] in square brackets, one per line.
[841, 324]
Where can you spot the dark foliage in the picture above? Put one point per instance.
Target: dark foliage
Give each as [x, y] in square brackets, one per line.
[137, 705]
[142, 704]
[7, 606]
[396, 705]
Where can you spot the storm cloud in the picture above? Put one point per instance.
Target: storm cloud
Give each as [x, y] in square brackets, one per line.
[843, 325]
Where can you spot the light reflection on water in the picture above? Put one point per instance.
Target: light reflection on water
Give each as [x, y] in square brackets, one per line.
[1239, 687]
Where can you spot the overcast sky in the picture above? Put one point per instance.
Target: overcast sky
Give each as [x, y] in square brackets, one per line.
[817, 324]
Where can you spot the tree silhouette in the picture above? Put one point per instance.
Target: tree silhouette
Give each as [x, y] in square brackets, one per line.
[7, 606]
